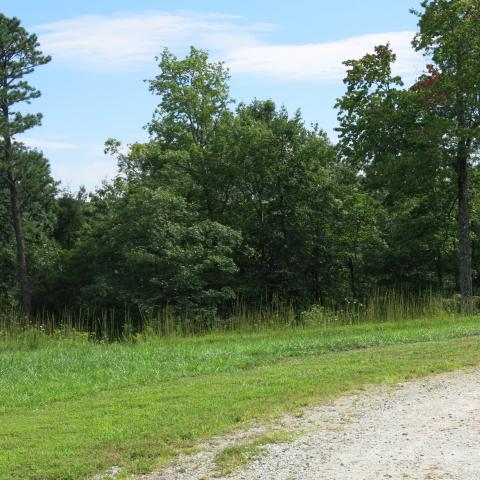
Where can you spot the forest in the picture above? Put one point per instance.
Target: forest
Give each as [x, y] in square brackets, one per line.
[234, 206]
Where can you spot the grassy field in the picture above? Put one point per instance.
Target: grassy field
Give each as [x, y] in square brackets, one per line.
[70, 408]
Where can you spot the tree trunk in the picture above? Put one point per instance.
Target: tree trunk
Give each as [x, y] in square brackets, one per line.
[24, 279]
[353, 286]
[439, 270]
[465, 257]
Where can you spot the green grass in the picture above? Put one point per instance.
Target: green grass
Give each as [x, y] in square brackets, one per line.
[70, 408]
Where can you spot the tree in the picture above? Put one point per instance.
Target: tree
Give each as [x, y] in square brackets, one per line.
[396, 141]
[144, 248]
[19, 55]
[36, 190]
[449, 35]
[193, 110]
[194, 96]
[70, 217]
[285, 200]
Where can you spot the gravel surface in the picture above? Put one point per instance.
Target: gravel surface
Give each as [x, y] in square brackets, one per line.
[424, 429]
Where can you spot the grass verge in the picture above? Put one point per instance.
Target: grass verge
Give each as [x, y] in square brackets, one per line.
[70, 410]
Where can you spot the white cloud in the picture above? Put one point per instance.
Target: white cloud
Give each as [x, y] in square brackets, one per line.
[128, 42]
[320, 61]
[41, 143]
[131, 41]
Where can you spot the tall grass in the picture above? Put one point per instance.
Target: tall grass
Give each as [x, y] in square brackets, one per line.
[387, 306]
[128, 325]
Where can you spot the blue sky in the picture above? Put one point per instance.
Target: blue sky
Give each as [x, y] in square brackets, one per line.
[103, 50]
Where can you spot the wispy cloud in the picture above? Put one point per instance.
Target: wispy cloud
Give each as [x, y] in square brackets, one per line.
[320, 61]
[52, 144]
[128, 42]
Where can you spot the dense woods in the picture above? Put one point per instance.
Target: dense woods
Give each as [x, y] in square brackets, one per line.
[232, 203]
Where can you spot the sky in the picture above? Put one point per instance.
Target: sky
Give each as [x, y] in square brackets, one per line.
[103, 51]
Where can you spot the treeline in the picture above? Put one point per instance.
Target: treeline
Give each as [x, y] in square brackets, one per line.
[245, 203]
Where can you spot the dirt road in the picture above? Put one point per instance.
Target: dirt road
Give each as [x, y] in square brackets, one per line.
[424, 429]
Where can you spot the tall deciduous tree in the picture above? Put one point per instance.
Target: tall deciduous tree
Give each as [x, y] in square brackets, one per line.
[397, 142]
[192, 110]
[449, 34]
[19, 55]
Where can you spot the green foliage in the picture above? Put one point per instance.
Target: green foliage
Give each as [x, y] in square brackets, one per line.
[284, 197]
[448, 34]
[247, 209]
[36, 191]
[394, 140]
[19, 55]
[144, 247]
[194, 96]
[269, 186]
[70, 218]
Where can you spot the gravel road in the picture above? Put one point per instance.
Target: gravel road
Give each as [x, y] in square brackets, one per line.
[424, 429]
